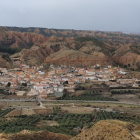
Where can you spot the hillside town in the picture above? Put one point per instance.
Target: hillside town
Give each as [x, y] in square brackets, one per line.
[55, 80]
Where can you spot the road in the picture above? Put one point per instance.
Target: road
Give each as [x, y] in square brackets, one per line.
[68, 101]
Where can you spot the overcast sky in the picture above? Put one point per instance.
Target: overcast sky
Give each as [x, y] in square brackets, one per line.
[103, 15]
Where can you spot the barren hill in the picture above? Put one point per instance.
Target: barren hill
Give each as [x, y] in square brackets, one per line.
[108, 130]
[78, 58]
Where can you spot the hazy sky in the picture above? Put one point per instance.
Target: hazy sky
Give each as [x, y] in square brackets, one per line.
[103, 15]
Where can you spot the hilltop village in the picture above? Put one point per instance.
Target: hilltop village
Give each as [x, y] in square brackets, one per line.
[55, 80]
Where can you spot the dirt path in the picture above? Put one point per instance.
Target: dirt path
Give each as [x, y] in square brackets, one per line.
[72, 104]
[41, 105]
[135, 135]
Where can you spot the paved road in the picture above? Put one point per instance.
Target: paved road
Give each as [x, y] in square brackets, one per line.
[68, 101]
[135, 135]
[85, 101]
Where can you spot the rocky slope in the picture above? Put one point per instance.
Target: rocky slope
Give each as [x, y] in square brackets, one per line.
[20, 40]
[76, 58]
[4, 63]
[108, 130]
[35, 46]
[116, 37]
[69, 51]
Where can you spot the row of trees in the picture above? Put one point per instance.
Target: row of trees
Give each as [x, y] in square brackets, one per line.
[22, 84]
[88, 98]
[94, 40]
[75, 120]
[104, 115]
[128, 91]
[88, 95]
[67, 122]
[4, 112]
[9, 50]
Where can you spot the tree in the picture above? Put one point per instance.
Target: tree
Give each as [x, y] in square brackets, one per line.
[8, 84]
[125, 66]
[1, 72]
[65, 83]
[24, 84]
[6, 57]
[129, 65]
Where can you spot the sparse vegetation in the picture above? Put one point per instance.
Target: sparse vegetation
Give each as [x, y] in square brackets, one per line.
[104, 115]
[6, 57]
[108, 130]
[94, 40]
[125, 91]
[9, 50]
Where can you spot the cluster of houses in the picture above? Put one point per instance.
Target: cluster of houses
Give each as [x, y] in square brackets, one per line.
[60, 78]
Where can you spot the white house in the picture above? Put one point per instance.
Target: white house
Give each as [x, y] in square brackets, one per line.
[41, 73]
[20, 93]
[122, 72]
[71, 82]
[135, 85]
[90, 72]
[37, 87]
[90, 77]
[104, 79]
[33, 92]
[60, 89]
[65, 79]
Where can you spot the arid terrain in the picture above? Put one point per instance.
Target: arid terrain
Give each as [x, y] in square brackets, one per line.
[108, 130]
[103, 130]
[70, 47]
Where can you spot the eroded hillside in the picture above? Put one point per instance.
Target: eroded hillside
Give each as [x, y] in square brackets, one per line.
[108, 130]
[37, 46]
